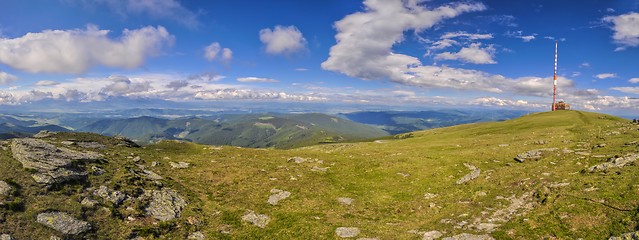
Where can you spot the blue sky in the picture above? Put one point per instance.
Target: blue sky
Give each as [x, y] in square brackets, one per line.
[398, 53]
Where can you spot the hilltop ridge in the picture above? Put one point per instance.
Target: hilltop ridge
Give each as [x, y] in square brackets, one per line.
[563, 174]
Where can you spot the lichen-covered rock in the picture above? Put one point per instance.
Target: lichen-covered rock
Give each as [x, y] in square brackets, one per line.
[116, 197]
[52, 165]
[345, 200]
[432, 235]
[468, 236]
[179, 165]
[532, 154]
[472, 175]
[259, 220]
[196, 236]
[614, 163]
[88, 202]
[5, 189]
[347, 232]
[63, 223]
[151, 175]
[5, 237]
[627, 236]
[297, 159]
[277, 195]
[166, 204]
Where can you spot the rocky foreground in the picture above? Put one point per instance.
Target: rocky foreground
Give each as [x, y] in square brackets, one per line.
[528, 178]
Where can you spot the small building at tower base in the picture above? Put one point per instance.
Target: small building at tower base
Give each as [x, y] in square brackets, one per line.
[561, 105]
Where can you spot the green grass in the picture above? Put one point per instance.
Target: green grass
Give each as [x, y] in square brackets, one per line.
[387, 179]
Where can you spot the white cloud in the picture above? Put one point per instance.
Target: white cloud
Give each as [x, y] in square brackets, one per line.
[626, 27]
[257, 79]
[575, 74]
[301, 69]
[472, 54]
[520, 35]
[75, 51]
[606, 75]
[493, 101]
[471, 36]
[6, 79]
[584, 65]
[634, 80]
[609, 102]
[365, 39]
[443, 43]
[160, 9]
[282, 40]
[255, 95]
[44, 83]
[211, 52]
[206, 77]
[633, 90]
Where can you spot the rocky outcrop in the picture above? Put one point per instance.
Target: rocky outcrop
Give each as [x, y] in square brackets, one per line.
[277, 195]
[432, 235]
[347, 232]
[5, 189]
[63, 222]
[166, 204]
[615, 162]
[627, 236]
[259, 220]
[5, 237]
[52, 165]
[468, 236]
[472, 175]
[179, 165]
[116, 197]
[532, 154]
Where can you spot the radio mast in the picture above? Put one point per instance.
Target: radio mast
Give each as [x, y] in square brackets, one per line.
[554, 91]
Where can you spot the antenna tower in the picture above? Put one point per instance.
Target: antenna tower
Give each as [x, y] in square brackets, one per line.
[554, 91]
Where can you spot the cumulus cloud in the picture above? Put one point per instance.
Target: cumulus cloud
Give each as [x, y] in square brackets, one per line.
[634, 80]
[257, 79]
[75, 51]
[122, 86]
[206, 76]
[471, 54]
[255, 95]
[493, 101]
[159, 9]
[520, 35]
[633, 90]
[365, 39]
[282, 39]
[6, 79]
[44, 83]
[462, 34]
[176, 85]
[211, 52]
[626, 27]
[606, 75]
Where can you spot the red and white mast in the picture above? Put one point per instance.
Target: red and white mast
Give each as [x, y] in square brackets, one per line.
[554, 91]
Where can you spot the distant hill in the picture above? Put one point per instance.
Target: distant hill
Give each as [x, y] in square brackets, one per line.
[396, 122]
[263, 130]
[11, 127]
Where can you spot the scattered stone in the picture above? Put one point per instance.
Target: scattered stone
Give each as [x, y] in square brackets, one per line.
[5, 189]
[345, 200]
[297, 159]
[126, 142]
[225, 229]
[55, 238]
[627, 236]
[615, 162]
[166, 204]
[583, 153]
[486, 227]
[153, 164]
[532, 154]
[97, 170]
[590, 189]
[468, 236]
[43, 134]
[52, 165]
[432, 235]
[197, 236]
[179, 165]
[600, 145]
[88, 202]
[565, 150]
[504, 145]
[403, 174]
[5, 237]
[277, 195]
[558, 185]
[347, 232]
[151, 175]
[92, 145]
[540, 142]
[472, 175]
[259, 220]
[116, 197]
[137, 159]
[63, 222]
[429, 195]
[67, 143]
[319, 169]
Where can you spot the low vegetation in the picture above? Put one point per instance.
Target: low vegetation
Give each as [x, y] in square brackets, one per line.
[407, 187]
